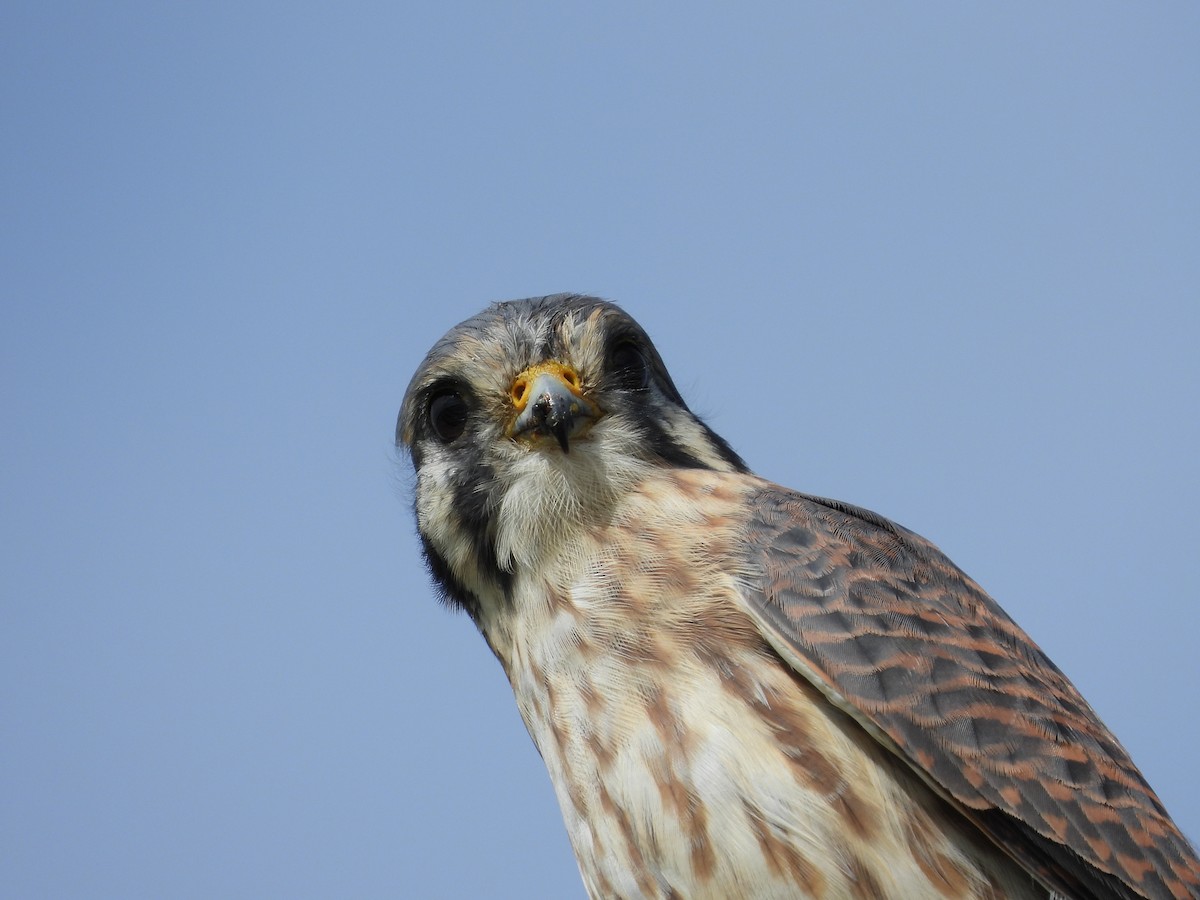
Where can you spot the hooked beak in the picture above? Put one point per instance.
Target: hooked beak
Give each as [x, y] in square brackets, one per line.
[549, 401]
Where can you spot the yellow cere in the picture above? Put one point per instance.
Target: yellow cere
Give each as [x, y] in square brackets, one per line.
[521, 384]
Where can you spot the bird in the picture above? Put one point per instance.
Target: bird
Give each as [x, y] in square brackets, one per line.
[739, 689]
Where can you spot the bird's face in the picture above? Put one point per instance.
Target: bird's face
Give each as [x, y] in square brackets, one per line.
[525, 424]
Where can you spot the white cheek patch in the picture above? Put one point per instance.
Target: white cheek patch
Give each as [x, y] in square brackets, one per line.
[438, 521]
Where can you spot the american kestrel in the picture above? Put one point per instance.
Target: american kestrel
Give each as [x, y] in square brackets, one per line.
[740, 690]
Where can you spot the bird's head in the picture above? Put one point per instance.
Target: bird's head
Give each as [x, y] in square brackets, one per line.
[526, 423]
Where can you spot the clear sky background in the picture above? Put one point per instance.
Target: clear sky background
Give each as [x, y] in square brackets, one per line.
[936, 259]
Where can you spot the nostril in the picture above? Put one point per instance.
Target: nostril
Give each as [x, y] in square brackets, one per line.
[520, 393]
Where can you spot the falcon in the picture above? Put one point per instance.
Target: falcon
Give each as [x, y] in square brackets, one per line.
[740, 690]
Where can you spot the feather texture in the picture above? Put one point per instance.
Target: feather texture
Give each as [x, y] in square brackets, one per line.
[740, 690]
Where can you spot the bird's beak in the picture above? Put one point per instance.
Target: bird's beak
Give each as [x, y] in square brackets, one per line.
[548, 400]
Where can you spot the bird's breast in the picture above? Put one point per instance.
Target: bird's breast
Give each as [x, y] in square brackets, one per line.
[688, 760]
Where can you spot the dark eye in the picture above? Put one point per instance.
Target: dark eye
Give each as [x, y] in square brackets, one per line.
[628, 366]
[448, 415]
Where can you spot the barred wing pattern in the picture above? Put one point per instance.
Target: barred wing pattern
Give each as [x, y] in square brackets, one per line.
[895, 634]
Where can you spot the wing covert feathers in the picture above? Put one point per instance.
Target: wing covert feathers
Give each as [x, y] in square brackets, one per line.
[893, 631]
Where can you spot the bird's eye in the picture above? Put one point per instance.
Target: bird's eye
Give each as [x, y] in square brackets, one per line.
[448, 415]
[628, 365]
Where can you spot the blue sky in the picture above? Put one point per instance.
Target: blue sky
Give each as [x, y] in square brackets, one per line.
[939, 260]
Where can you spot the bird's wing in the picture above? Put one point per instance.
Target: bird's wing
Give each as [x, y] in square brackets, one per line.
[895, 634]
